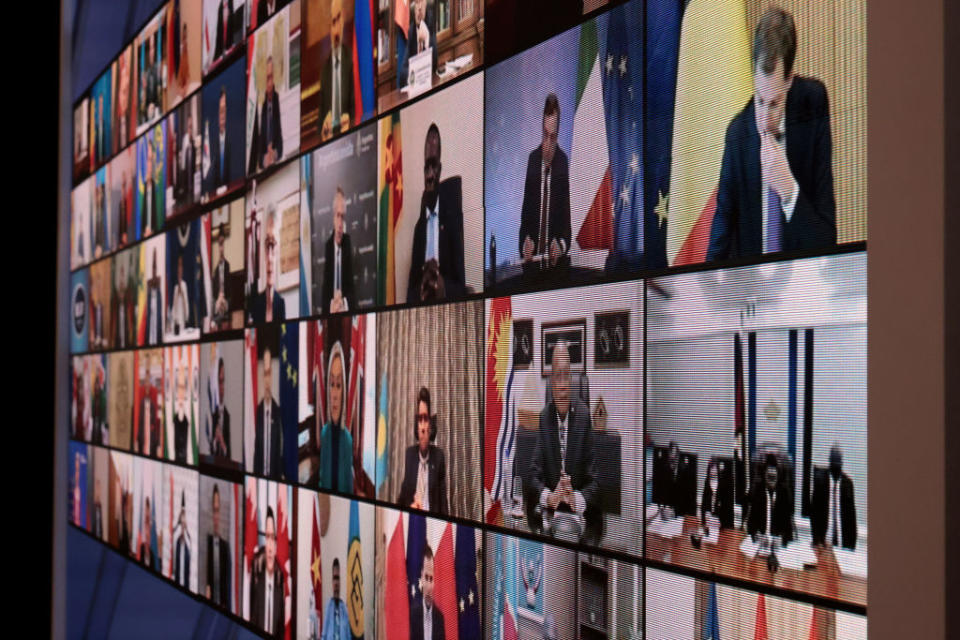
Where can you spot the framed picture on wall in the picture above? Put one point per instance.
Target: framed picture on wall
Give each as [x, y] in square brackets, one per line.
[574, 333]
[522, 344]
[611, 339]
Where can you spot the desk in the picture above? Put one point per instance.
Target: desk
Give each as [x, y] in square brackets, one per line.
[725, 558]
[394, 97]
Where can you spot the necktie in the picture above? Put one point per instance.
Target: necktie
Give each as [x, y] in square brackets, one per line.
[336, 270]
[269, 123]
[835, 512]
[431, 235]
[269, 620]
[336, 89]
[769, 512]
[216, 569]
[774, 222]
[544, 209]
[563, 447]
[422, 482]
[267, 432]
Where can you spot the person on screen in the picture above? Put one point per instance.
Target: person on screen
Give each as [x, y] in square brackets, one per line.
[266, 589]
[267, 448]
[187, 165]
[154, 304]
[336, 442]
[96, 312]
[426, 619]
[717, 502]
[265, 9]
[181, 557]
[99, 405]
[123, 223]
[149, 196]
[268, 305]
[125, 507]
[101, 153]
[545, 213]
[123, 105]
[218, 557]
[833, 515]
[423, 33]
[219, 145]
[776, 181]
[97, 234]
[220, 447]
[338, 291]
[271, 137]
[771, 504]
[96, 524]
[336, 621]
[183, 64]
[181, 423]
[436, 262]
[122, 312]
[424, 483]
[150, 415]
[220, 272]
[224, 28]
[152, 80]
[179, 311]
[674, 484]
[147, 557]
[563, 474]
[336, 84]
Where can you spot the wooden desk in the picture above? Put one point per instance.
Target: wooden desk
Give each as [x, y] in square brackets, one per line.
[395, 96]
[725, 558]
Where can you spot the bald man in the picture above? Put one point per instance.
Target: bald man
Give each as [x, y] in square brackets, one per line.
[563, 476]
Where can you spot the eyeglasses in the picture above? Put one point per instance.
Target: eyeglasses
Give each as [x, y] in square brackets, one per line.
[423, 417]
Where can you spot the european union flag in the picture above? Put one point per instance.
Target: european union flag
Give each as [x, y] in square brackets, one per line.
[289, 371]
[468, 596]
[416, 541]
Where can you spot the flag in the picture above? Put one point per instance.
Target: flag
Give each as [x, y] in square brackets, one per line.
[711, 622]
[381, 474]
[445, 583]
[289, 393]
[316, 566]
[283, 554]
[396, 602]
[354, 584]
[391, 203]
[363, 84]
[591, 204]
[621, 54]
[714, 82]
[416, 541]
[760, 628]
[251, 538]
[500, 428]
[468, 595]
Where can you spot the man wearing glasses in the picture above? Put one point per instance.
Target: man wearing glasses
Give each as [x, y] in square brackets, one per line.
[425, 470]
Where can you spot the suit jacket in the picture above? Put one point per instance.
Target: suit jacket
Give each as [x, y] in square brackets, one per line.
[559, 220]
[737, 228]
[263, 14]
[412, 41]
[677, 491]
[580, 465]
[182, 551]
[346, 89]
[436, 478]
[416, 621]
[272, 136]
[258, 595]
[225, 266]
[226, 432]
[723, 508]
[219, 175]
[344, 454]
[181, 433]
[97, 525]
[346, 275]
[258, 307]
[149, 213]
[275, 435]
[122, 319]
[224, 600]
[184, 189]
[122, 223]
[781, 522]
[449, 243]
[820, 510]
[222, 44]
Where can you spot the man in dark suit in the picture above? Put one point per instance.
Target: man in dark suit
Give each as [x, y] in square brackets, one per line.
[181, 423]
[149, 221]
[123, 223]
[267, 451]
[187, 165]
[266, 9]
[96, 524]
[220, 446]
[219, 147]
[218, 558]
[266, 588]
[224, 28]
[771, 504]
[221, 272]
[154, 306]
[718, 498]
[675, 482]
[147, 557]
[336, 84]
[152, 80]
[833, 515]
[436, 263]
[424, 483]
[181, 555]
[337, 289]
[271, 137]
[426, 620]
[422, 34]
[563, 474]
[268, 306]
[776, 180]
[545, 215]
[122, 311]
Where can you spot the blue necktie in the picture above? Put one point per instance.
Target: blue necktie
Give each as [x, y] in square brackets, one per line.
[774, 222]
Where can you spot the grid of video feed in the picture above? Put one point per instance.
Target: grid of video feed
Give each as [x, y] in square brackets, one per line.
[505, 319]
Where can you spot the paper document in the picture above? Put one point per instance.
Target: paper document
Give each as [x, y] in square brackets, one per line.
[796, 556]
[666, 528]
[852, 563]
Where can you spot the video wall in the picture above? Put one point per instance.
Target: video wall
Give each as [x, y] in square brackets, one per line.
[510, 319]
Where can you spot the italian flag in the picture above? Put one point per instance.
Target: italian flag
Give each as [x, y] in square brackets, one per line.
[591, 192]
[714, 82]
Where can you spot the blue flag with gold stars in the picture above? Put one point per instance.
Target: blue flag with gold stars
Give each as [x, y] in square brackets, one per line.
[416, 541]
[289, 370]
[468, 596]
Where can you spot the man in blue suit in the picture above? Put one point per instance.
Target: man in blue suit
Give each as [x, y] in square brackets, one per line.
[776, 180]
